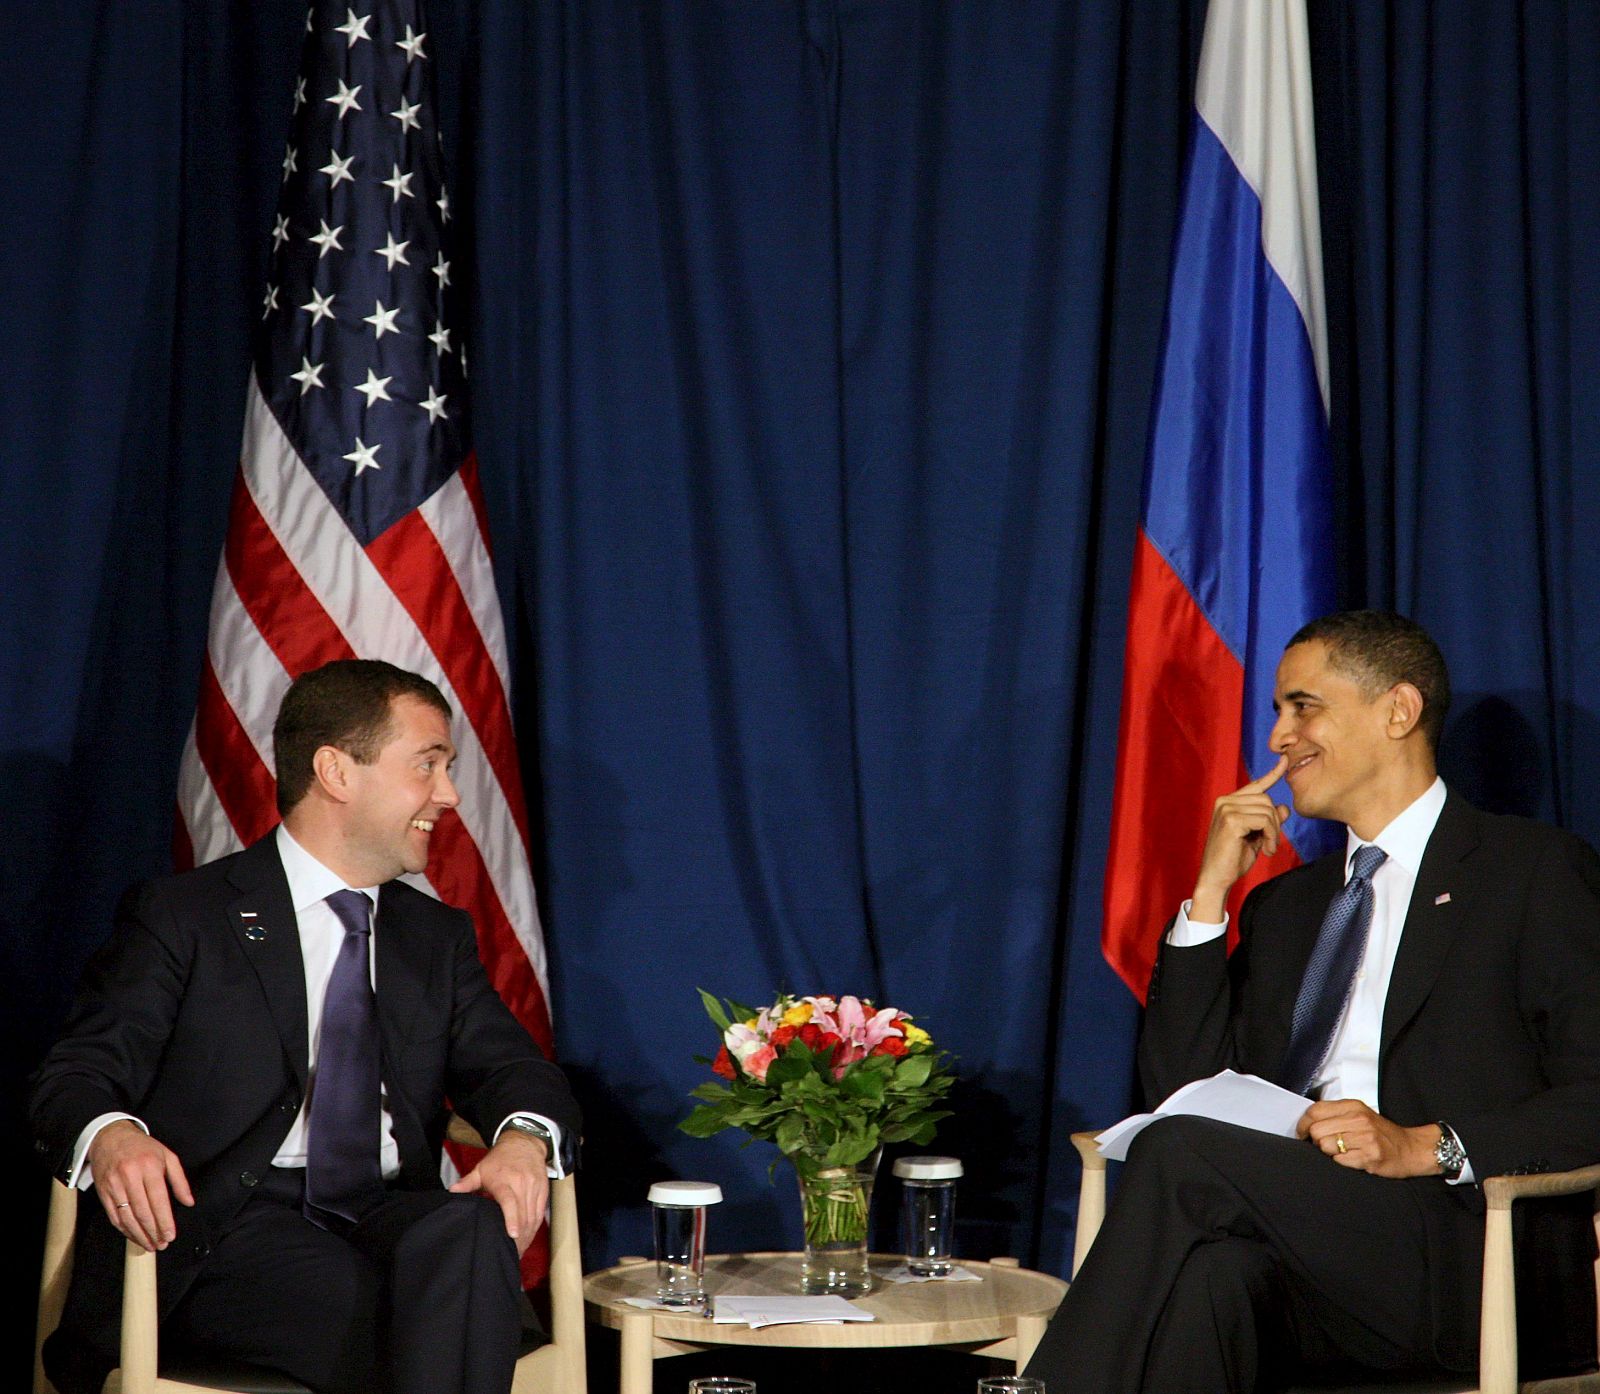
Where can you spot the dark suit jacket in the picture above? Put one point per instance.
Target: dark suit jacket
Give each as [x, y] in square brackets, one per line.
[1492, 1024]
[199, 1029]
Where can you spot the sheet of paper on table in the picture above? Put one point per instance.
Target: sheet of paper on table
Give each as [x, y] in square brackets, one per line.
[1248, 1100]
[757, 1312]
[902, 1274]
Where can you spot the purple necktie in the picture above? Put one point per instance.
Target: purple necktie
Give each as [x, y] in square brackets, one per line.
[1330, 974]
[343, 1178]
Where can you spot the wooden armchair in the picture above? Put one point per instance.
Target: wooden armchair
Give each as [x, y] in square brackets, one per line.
[1497, 1338]
[556, 1368]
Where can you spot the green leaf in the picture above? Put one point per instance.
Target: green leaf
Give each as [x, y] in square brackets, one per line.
[739, 1012]
[913, 1072]
[714, 1010]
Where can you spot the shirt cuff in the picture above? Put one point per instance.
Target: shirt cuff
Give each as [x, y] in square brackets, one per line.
[1186, 933]
[81, 1176]
[1467, 1177]
[553, 1128]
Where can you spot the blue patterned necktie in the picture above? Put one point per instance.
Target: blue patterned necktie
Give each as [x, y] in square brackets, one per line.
[1330, 974]
[343, 1176]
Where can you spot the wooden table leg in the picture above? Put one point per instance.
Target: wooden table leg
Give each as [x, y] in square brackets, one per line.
[1030, 1331]
[638, 1335]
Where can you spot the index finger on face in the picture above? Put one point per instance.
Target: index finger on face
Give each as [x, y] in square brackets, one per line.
[1266, 781]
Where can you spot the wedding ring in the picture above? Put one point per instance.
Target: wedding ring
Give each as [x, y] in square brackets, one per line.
[124, 1205]
[1339, 1143]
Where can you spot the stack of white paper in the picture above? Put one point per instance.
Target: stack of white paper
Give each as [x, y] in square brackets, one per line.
[786, 1311]
[1248, 1100]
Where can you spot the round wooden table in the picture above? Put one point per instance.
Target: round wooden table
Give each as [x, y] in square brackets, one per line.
[1003, 1316]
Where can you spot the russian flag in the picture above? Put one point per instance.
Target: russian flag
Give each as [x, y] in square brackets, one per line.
[1235, 545]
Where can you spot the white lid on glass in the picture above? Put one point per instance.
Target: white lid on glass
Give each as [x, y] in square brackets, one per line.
[685, 1193]
[928, 1168]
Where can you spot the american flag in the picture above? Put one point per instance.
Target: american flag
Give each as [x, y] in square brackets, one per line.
[357, 526]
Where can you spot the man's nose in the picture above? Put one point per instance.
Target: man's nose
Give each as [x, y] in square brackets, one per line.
[445, 793]
[1282, 733]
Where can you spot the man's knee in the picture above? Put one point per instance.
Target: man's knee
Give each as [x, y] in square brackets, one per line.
[472, 1226]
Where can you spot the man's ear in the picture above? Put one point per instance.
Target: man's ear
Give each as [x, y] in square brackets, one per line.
[1405, 711]
[331, 766]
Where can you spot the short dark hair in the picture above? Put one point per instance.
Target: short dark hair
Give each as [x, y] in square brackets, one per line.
[345, 704]
[1377, 649]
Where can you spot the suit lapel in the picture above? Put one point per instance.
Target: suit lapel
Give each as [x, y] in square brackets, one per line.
[263, 924]
[402, 951]
[1430, 925]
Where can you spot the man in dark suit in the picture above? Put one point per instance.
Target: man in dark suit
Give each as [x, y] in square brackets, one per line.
[271, 1040]
[1434, 988]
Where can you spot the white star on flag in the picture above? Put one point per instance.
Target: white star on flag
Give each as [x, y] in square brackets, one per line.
[337, 169]
[376, 390]
[407, 115]
[328, 240]
[280, 231]
[269, 302]
[345, 98]
[354, 29]
[382, 320]
[433, 404]
[441, 339]
[290, 163]
[321, 306]
[393, 252]
[399, 183]
[444, 205]
[441, 269]
[412, 44]
[364, 456]
[310, 375]
[299, 94]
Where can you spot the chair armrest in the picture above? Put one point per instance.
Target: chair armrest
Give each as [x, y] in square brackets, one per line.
[140, 1350]
[1091, 1197]
[1497, 1334]
[461, 1132]
[1500, 1191]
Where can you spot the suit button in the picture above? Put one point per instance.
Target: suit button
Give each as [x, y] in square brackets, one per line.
[249, 1178]
[200, 1250]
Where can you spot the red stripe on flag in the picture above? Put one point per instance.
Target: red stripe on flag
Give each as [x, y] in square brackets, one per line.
[288, 615]
[473, 484]
[245, 787]
[1181, 738]
[457, 871]
[413, 565]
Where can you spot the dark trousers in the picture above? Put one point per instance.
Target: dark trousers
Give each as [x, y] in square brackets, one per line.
[1233, 1261]
[422, 1297]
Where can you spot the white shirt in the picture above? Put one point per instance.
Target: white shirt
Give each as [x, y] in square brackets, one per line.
[1351, 1069]
[321, 935]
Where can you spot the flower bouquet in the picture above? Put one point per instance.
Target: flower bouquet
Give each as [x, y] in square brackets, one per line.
[829, 1080]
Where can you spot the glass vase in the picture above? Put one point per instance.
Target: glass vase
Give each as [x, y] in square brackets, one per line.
[835, 1207]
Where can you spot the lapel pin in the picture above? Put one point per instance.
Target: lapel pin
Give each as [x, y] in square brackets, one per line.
[1442, 899]
[252, 931]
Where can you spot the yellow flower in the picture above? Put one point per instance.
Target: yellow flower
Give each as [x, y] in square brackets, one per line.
[751, 1023]
[798, 1014]
[916, 1036]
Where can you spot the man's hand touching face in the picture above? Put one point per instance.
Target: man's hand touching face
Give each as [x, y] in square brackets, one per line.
[1244, 825]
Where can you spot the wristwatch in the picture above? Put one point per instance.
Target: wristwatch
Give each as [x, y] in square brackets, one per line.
[1448, 1153]
[532, 1129]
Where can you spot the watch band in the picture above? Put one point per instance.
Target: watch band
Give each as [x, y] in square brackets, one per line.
[1448, 1153]
[532, 1129]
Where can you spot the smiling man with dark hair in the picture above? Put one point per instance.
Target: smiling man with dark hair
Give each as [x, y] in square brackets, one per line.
[1434, 991]
[270, 1040]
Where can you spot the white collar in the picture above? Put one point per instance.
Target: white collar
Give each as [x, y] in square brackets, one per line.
[309, 880]
[1406, 837]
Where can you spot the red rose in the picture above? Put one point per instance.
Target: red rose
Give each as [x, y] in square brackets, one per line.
[723, 1064]
[891, 1045]
[811, 1036]
[782, 1036]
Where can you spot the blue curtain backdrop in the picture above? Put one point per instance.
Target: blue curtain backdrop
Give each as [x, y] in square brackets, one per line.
[812, 353]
